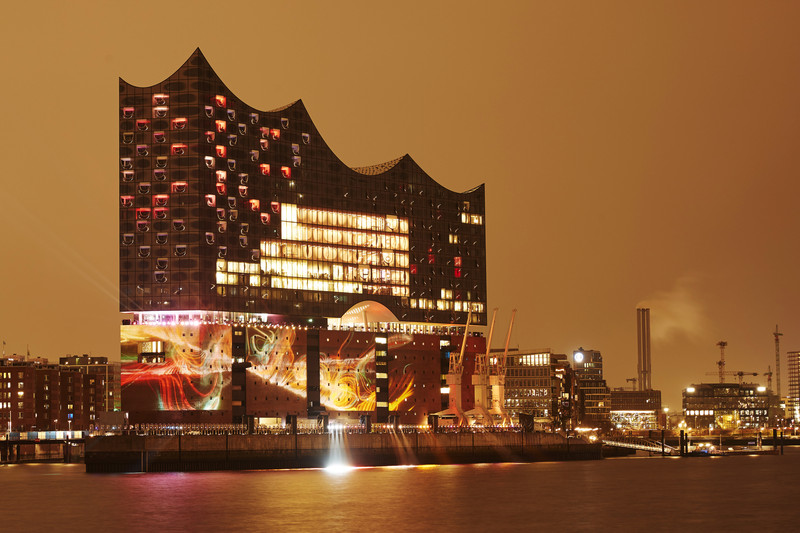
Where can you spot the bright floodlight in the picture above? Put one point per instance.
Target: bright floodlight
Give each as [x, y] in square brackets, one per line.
[690, 389]
[578, 357]
[762, 389]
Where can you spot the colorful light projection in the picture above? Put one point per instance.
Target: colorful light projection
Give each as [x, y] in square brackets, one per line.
[188, 367]
[177, 367]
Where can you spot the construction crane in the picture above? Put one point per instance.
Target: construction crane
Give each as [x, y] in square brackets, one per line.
[480, 381]
[453, 379]
[777, 335]
[498, 380]
[632, 380]
[739, 374]
[721, 362]
[768, 375]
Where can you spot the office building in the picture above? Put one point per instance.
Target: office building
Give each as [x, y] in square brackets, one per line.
[728, 406]
[594, 396]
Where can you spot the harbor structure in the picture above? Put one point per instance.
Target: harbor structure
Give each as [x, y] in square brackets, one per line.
[728, 406]
[261, 277]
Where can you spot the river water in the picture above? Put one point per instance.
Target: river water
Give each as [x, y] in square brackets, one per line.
[630, 494]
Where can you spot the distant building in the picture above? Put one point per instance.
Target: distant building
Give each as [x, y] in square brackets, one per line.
[635, 409]
[727, 405]
[529, 385]
[38, 396]
[793, 398]
[595, 398]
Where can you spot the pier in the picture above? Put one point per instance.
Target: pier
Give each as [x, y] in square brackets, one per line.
[179, 453]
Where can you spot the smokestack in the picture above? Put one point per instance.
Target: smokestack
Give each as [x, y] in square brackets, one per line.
[643, 342]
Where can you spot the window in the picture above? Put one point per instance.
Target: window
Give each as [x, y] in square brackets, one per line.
[284, 123]
[264, 167]
[159, 174]
[160, 99]
[286, 172]
[143, 124]
[253, 118]
[306, 138]
[159, 137]
[275, 134]
[178, 225]
[180, 186]
[209, 111]
[220, 100]
[127, 112]
[179, 149]
[179, 123]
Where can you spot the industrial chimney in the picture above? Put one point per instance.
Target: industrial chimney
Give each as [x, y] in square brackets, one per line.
[643, 338]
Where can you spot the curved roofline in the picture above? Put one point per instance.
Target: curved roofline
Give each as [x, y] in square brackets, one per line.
[368, 170]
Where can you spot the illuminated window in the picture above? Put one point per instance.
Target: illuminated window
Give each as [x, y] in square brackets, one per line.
[265, 218]
[144, 188]
[255, 205]
[160, 99]
[222, 226]
[142, 226]
[275, 134]
[160, 200]
[143, 213]
[220, 100]
[264, 169]
[220, 125]
[127, 112]
[210, 136]
[221, 150]
[126, 162]
[179, 123]
[127, 201]
[143, 124]
[221, 188]
[210, 162]
[159, 137]
[160, 213]
[161, 162]
[127, 175]
[276, 207]
[222, 176]
[211, 200]
[243, 190]
[180, 186]
[142, 149]
[160, 112]
[286, 172]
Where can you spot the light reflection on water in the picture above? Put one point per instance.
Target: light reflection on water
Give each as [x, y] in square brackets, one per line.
[663, 494]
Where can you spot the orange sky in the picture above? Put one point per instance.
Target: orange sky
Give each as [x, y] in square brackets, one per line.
[633, 152]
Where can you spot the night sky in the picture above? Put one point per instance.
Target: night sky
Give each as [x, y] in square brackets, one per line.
[634, 153]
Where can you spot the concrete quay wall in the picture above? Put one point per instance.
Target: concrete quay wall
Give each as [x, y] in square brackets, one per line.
[149, 453]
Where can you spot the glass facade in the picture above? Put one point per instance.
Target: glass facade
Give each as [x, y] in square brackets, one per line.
[227, 208]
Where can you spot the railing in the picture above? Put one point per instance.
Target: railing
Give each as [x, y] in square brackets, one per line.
[637, 443]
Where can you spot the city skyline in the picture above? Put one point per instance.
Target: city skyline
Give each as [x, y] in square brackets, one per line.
[643, 154]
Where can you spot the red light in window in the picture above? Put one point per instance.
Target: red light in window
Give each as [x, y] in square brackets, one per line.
[276, 134]
[255, 205]
[457, 261]
[221, 188]
[264, 169]
[160, 200]
[265, 218]
[287, 172]
[457, 272]
[179, 149]
[180, 186]
[210, 136]
[160, 213]
[127, 112]
[179, 123]
[413, 269]
[220, 126]
[276, 207]
[143, 213]
[158, 136]
[220, 100]
[221, 150]
[431, 259]
[211, 200]
[160, 99]
[127, 201]
[142, 124]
